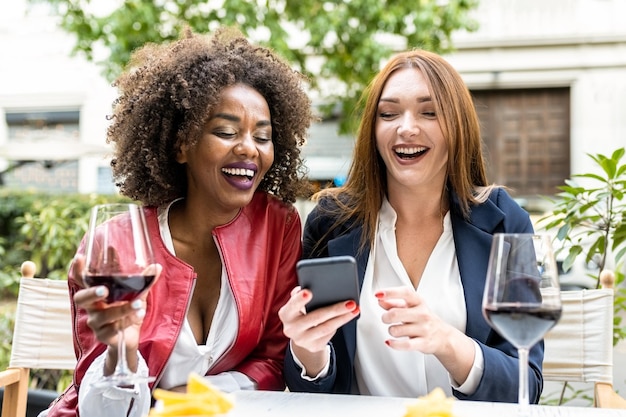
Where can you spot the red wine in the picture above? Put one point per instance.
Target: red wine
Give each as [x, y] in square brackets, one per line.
[521, 325]
[121, 287]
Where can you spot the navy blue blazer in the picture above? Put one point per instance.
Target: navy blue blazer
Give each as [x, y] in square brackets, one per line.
[472, 238]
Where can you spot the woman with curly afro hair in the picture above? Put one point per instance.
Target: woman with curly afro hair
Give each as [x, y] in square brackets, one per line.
[207, 134]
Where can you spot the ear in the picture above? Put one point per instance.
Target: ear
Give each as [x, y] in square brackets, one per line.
[181, 154]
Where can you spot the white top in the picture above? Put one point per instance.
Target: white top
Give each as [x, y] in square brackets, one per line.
[186, 357]
[381, 370]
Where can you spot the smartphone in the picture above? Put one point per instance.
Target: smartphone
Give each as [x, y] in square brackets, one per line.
[331, 280]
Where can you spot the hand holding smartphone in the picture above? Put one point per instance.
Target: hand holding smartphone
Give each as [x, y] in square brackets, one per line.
[331, 280]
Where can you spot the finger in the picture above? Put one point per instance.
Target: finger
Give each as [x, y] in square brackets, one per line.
[296, 306]
[402, 344]
[317, 337]
[325, 320]
[328, 313]
[403, 292]
[119, 315]
[406, 315]
[89, 296]
[406, 293]
[295, 291]
[390, 303]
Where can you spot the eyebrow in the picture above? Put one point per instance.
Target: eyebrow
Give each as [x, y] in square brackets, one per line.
[422, 99]
[233, 118]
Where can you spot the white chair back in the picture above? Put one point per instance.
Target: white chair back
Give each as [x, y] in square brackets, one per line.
[580, 347]
[42, 337]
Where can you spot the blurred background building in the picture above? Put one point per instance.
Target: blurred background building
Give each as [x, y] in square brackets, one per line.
[549, 79]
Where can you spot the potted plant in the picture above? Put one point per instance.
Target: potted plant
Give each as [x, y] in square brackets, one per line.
[589, 215]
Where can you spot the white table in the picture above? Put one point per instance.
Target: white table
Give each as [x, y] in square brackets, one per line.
[287, 404]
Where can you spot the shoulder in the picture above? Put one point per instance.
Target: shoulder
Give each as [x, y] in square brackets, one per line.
[516, 218]
[325, 213]
[272, 207]
[498, 212]
[503, 200]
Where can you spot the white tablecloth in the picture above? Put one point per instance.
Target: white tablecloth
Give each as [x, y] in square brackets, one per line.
[286, 404]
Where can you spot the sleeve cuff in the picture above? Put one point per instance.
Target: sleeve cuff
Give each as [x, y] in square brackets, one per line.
[475, 374]
[323, 373]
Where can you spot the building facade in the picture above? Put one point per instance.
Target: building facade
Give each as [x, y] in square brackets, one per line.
[548, 78]
[549, 82]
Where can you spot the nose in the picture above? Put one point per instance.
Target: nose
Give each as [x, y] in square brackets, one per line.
[408, 126]
[246, 146]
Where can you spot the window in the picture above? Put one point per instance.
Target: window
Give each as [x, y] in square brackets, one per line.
[41, 148]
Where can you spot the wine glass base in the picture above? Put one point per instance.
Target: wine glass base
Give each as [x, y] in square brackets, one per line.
[122, 381]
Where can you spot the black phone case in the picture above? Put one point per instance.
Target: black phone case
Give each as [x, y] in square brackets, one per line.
[331, 280]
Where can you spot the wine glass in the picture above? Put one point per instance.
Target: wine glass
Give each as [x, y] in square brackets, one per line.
[522, 298]
[119, 256]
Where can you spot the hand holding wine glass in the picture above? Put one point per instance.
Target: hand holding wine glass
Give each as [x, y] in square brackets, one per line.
[522, 295]
[119, 256]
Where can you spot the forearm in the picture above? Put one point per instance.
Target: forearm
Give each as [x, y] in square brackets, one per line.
[312, 362]
[457, 356]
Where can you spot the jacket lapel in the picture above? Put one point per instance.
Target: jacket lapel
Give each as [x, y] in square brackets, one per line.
[348, 244]
[472, 240]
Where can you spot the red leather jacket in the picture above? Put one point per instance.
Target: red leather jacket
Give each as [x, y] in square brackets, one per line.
[259, 249]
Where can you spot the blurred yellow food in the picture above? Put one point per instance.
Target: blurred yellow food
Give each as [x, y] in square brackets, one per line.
[201, 399]
[435, 404]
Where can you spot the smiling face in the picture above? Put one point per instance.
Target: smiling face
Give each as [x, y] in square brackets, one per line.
[234, 151]
[408, 135]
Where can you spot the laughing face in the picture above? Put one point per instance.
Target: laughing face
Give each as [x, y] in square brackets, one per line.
[408, 135]
[234, 151]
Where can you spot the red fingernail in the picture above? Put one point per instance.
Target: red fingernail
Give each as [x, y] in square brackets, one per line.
[379, 294]
[356, 311]
[305, 294]
[350, 305]
[388, 343]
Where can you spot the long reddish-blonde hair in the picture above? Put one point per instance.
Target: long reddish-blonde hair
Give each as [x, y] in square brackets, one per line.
[360, 198]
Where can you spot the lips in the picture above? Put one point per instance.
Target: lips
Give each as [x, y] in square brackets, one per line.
[239, 172]
[240, 175]
[410, 152]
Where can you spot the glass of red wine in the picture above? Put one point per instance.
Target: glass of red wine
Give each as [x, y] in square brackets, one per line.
[119, 256]
[522, 298]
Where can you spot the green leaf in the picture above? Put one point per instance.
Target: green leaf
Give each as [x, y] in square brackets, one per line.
[344, 36]
[574, 251]
[592, 176]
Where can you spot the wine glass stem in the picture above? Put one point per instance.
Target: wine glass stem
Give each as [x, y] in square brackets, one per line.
[522, 400]
[121, 369]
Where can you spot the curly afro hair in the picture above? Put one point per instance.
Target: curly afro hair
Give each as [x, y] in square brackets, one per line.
[167, 94]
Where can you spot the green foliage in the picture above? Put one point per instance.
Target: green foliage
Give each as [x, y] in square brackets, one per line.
[7, 318]
[47, 230]
[593, 213]
[43, 228]
[567, 396]
[346, 35]
[590, 221]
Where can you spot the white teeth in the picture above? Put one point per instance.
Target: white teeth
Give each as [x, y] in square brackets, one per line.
[412, 150]
[239, 172]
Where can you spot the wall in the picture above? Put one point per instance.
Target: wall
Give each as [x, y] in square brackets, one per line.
[580, 44]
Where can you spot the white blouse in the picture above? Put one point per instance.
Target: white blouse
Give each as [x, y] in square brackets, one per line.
[381, 370]
[187, 355]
